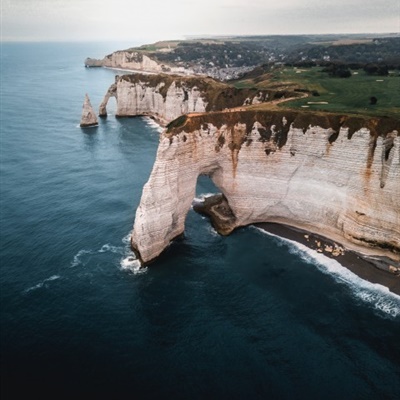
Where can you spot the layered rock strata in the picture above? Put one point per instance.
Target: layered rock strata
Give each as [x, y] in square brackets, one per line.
[332, 175]
[166, 97]
[127, 60]
[89, 117]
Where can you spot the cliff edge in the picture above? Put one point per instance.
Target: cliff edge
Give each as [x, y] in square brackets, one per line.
[166, 97]
[334, 175]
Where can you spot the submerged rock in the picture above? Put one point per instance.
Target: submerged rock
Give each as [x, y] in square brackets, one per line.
[89, 117]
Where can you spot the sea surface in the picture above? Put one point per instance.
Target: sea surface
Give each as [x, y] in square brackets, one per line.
[249, 316]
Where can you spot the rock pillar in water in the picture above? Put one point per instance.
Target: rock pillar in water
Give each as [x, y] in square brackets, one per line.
[89, 117]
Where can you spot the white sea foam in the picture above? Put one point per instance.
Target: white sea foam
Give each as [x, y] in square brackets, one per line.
[132, 264]
[43, 283]
[154, 124]
[375, 295]
[127, 239]
[127, 262]
[105, 248]
[203, 196]
[77, 257]
[111, 249]
[212, 231]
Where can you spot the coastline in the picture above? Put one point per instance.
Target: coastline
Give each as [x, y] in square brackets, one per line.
[374, 272]
[134, 71]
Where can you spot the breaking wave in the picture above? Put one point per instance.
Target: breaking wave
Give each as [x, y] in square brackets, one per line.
[127, 262]
[202, 196]
[44, 283]
[212, 231]
[377, 296]
[77, 260]
[154, 124]
[112, 249]
[130, 262]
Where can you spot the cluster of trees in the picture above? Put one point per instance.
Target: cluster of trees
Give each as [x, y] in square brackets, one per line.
[376, 69]
[343, 70]
[381, 69]
[338, 70]
[384, 50]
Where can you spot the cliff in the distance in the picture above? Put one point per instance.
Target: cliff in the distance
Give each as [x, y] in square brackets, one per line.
[167, 97]
[126, 60]
[334, 175]
[136, 61]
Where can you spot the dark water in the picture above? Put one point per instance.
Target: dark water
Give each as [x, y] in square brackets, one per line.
[249, 316]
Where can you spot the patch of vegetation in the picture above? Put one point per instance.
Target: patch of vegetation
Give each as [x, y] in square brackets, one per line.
[300, 119]
[338, 70]
[382, 50]
[352, 95]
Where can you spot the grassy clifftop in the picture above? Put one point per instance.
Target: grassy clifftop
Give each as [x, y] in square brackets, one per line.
[217, 95]
[282, 120]
[343, 95]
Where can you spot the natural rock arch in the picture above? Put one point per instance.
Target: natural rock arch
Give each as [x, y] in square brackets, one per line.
[111, 92]
[307, 180]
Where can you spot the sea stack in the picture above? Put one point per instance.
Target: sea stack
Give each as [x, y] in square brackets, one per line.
[89, 117]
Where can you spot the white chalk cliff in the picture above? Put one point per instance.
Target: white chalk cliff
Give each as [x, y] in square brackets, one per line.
[89, 117]
[332, 175]
[142, 99]
[126, 60]
[166, 97]
[136, 61]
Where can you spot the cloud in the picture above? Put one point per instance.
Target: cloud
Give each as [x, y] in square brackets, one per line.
[161, 19]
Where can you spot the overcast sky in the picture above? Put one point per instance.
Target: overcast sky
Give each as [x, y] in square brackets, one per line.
[149, 20]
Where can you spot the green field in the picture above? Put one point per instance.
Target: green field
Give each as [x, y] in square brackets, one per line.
[344, 95]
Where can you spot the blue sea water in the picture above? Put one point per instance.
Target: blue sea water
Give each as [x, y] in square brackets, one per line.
[249, 316]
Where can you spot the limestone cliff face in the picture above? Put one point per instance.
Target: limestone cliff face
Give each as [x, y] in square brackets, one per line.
[89, 117]
[141, 99]
[332, 175]
[167, 97]
[127, 60]
[162, 96]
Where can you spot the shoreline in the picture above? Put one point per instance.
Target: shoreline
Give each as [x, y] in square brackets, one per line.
[356, 263]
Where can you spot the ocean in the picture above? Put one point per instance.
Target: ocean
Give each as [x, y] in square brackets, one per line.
[248, 316]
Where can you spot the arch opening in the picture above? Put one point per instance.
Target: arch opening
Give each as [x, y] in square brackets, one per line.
[212, 202]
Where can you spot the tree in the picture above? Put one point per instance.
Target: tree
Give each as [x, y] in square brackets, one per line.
[376, 69]
[373, 100]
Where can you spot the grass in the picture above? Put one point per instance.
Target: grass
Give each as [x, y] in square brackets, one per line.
[343, 95]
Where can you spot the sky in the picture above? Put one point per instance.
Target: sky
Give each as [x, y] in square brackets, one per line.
[150, 20]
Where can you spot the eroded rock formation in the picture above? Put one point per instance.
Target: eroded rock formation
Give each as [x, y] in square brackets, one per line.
[127, 60]
[111, 92]
[166, 97]
[332, 175]
[89, 117]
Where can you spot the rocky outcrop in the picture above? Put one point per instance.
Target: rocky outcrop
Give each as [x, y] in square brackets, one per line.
[166, 97]
[130, 60]
[332, 175]
[89, 117]
[111, 92]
